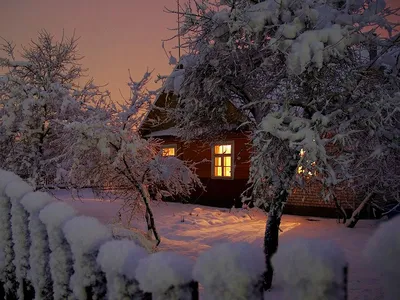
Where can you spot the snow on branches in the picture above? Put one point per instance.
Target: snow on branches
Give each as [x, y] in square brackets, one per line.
[110, 156]
[37, 98]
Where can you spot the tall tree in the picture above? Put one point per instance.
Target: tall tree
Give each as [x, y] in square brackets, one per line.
[38, 96]
[301, 72]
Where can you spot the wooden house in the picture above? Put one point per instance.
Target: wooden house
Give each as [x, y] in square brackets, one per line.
[224, 166]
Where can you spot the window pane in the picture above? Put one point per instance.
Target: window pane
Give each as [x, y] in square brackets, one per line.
[218, 171]
[168, 151]
[227, 172]
[227, 149]
[227, 161]
[218, 161]
[222, 149]
[218, 149]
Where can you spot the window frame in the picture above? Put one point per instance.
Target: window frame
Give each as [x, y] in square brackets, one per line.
[231, 155]
[174, 146]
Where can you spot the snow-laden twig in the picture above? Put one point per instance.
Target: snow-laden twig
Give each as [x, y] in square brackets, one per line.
[54, 216]
[39, 251]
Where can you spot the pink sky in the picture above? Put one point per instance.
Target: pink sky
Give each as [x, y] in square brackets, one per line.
[115, 35]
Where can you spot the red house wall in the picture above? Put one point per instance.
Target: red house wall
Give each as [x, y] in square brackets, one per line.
[226, 192]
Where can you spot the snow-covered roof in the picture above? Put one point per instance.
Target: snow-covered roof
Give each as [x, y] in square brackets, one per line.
[166, 132]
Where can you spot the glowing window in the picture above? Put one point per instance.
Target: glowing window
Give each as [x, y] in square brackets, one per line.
[303, 171]
[222, 161]
[169, 150]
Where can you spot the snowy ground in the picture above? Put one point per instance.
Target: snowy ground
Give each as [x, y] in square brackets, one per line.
[191, 229]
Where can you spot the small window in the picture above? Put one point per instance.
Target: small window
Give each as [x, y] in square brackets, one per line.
[168, 150]
[222, 161]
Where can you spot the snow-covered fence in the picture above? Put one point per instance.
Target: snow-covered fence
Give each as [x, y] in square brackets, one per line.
[167, 276]
[85, 236]
[39, 251]
[48, 252]
[231, 271]
[54, 216]
[311, 269]
[383, 251]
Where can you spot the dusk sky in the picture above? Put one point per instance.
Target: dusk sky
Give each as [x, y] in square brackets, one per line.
[114, 35]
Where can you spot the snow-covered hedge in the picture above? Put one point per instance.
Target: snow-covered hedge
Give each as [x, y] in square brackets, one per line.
[15, 190]
[311, 269]
[7, 268]
[39, 251]
[231, 271]
[383, 251]
[54, 216]
[85, 236]
[119, 260]
[166, 275]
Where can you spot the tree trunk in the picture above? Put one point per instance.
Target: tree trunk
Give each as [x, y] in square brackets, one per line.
[149, 213]
[271, 238]
[356, 214]
[270, 245]
[340, 209]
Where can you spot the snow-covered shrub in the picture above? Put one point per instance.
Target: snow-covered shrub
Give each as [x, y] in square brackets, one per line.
[166, 275]
[311, 269]
[39, 251]
[231, 271]
[85, 236]
[7, 268]
[383, 251]
[118, 260]
[15, 190]
[54, 216]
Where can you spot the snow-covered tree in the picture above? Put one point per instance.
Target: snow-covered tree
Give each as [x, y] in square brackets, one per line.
[109, 155]
[39, 94]
[305, 76]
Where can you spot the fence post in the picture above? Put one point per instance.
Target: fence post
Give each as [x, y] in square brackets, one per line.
[167, 276]
[54, 216]
[311, 269]
[231, 271]
[118, 260]
[15, 190]
[7, 268]
[383, 252]
[85, 236]
[39, 251]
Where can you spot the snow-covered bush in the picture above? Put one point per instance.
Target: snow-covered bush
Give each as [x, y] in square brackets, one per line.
[85, 236]
[110, 153]
[311, 269]
[231, 272]
[383, 251]
[39, 251]
[54, 216]
[15, 190]
[119, 260]
[166, 275]
[7, 268]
